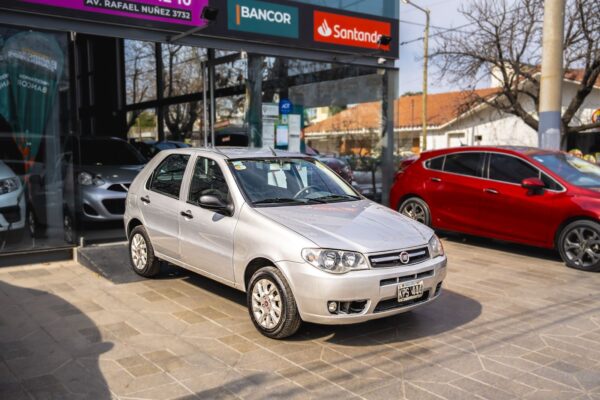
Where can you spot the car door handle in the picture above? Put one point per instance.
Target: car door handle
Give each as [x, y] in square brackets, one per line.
[436, 180]
[145, 199]
[187, 214]
[490, 191]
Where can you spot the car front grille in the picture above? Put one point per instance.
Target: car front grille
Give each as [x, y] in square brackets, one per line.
[11, 214]
[114, 206]
[392, 304]
[392, 259]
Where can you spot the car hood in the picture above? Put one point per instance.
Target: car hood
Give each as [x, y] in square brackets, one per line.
[361, 226]
[5, 171]
[114, 174]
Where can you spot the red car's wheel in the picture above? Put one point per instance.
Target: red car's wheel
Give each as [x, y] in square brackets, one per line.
[579, 245]
[416, 208]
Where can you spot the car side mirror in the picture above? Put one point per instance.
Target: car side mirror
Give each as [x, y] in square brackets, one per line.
[533, 184]
[211, 202]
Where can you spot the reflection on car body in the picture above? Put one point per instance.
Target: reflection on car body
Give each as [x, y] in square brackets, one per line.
[301, 242]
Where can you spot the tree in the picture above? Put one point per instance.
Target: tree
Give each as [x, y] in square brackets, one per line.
[504, 40]
[140, 72]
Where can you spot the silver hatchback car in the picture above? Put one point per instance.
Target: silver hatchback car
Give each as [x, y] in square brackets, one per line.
[284, 228]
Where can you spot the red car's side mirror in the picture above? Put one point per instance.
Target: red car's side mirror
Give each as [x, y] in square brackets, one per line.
[534, 184]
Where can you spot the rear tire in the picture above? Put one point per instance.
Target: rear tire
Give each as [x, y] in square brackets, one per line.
[141, 254]
[271, 304]
[417, 209]
[579, 245]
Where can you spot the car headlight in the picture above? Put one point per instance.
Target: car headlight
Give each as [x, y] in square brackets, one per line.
[8, 185]
[436, 248]
[335, 261]
[86, 179]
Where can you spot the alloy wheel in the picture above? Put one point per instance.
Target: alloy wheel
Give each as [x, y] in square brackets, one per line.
[414, 210]
[582, 246]
[139, 251]
[266, 304]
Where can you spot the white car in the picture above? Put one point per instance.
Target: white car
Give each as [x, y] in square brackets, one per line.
[284, 228]
[12, 200]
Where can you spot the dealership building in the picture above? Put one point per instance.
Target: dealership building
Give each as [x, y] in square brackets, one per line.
[87, 88]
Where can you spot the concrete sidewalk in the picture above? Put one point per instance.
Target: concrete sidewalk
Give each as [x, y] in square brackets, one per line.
[507, 326]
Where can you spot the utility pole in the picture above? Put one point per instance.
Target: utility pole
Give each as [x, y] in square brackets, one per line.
[551, 81]
[425, 67]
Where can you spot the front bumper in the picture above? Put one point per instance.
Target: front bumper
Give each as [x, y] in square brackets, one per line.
[103, 204]
[313, 289]
[12, 210]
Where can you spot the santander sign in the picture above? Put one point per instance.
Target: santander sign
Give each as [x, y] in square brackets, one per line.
[349, 31]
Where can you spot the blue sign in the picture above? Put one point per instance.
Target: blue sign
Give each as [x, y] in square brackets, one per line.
[285, 107]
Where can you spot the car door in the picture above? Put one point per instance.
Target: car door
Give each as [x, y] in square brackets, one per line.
[458, 190]
[206, 235]
[512, 212]
[160, 201]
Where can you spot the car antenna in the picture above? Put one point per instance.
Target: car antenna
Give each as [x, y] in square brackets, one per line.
[273, 151]
[215, 148]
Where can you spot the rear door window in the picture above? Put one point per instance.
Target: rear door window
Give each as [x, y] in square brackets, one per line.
[168, 176]
[436, 164]
[470, 164]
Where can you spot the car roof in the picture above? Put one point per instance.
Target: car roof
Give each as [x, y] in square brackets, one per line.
[238, 153]
[518, 150]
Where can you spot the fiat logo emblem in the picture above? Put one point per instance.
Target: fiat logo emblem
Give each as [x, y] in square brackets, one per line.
[404, 257]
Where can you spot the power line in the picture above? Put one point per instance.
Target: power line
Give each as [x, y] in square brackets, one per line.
[456, 29]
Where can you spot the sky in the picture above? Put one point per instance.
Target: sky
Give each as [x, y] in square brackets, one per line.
[444, 13]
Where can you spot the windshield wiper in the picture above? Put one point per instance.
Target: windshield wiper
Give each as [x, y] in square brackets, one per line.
[282, 200]
[339, 197]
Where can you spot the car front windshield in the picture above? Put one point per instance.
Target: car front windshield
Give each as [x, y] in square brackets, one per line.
[572, 169]
[290, 181]
[109, 152]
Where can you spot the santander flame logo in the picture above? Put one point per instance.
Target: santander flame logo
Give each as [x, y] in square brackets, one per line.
[324, 30]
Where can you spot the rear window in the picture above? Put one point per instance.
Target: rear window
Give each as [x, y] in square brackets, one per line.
[464, 163]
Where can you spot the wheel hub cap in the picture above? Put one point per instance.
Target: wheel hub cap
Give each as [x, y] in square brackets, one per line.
[266, 304]
[139, 251]
[582, 246]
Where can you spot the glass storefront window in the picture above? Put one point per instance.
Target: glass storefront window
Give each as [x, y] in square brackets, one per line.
[140, 71]
[36, 165]
[182, 69]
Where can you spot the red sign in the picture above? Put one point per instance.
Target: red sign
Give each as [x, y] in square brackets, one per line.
[350, 31]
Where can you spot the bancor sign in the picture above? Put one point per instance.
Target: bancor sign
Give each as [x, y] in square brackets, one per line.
[349, 31]
[262, 17]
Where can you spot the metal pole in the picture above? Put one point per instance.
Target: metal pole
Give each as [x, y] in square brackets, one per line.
[211, 83]
[205, 105]
[425, 66]
[551, 81]
[390, 94]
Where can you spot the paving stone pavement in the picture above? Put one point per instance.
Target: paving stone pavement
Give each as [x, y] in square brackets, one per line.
[508, 326]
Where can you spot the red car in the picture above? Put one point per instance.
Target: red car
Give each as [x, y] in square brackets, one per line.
[526, 195]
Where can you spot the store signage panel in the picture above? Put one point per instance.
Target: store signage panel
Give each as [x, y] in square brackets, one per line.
[349, 31]
[181, 12]
[263, 18]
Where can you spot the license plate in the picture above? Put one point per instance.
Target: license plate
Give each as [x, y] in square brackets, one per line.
[409, 291]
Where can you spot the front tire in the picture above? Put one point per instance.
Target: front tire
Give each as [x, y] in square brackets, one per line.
[579, 245]
[417, 209]
[271, 304]
[141, 254]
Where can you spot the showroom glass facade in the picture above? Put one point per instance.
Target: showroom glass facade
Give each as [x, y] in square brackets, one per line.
[36, 163]
[80, 115]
